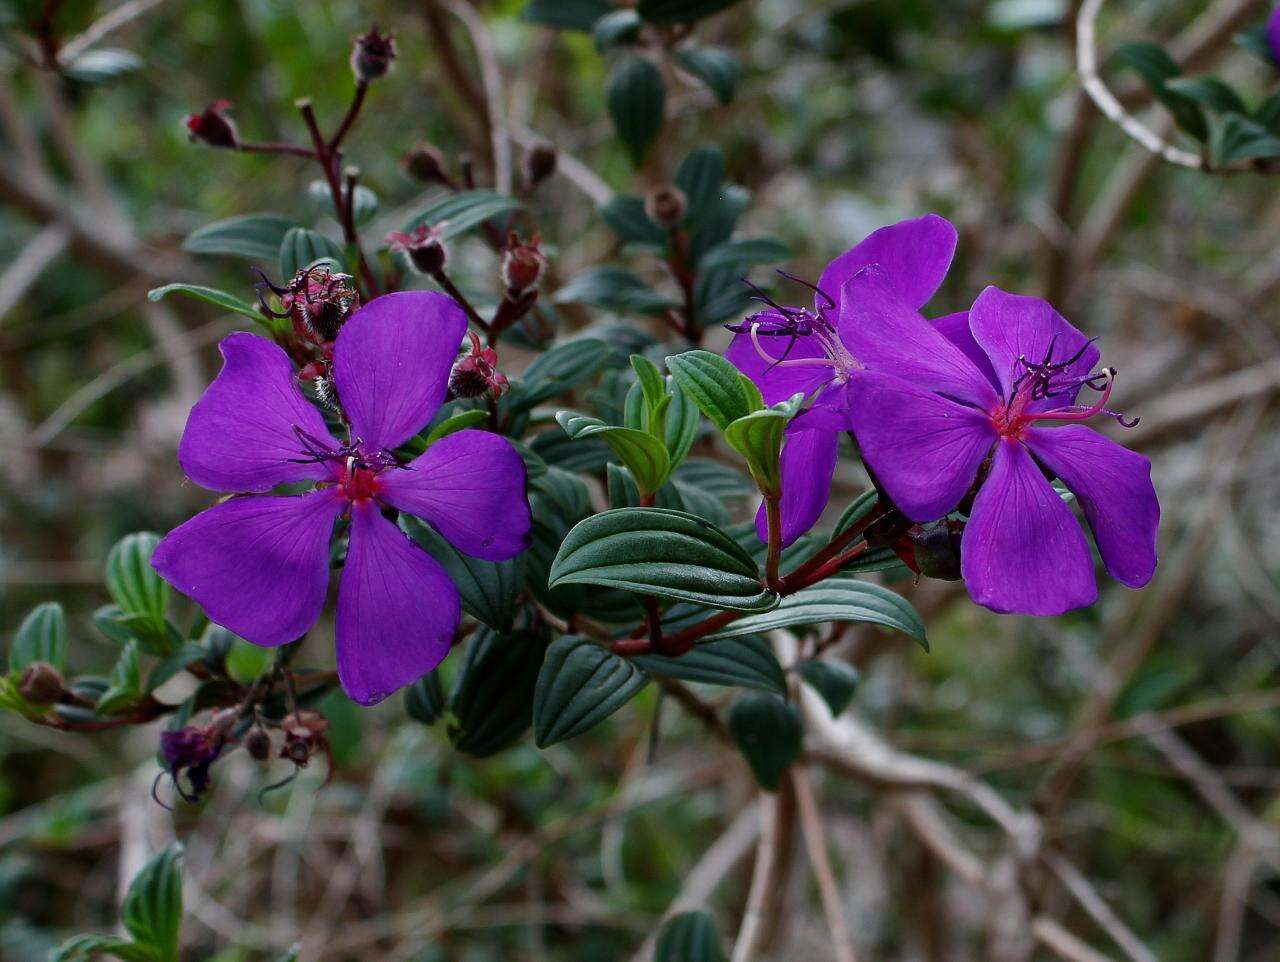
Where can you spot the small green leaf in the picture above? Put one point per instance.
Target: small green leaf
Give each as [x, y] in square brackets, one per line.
[559, 369]
[580, 685]
[488, 589]
[636, 100]
[134, 585]
[256, 237]
[858, 509]
[458, 422]
[492, 700]
[758, 438]
[228, 302]
[747, 662]
[42, 636]
[681, 424]
[613, 29]
[84, 947]
[462, 212]
[626, 217]
[642, 453]
[614, 289]
[701, 177]
[660, 552]
[188, 654]
[738, 254]
[1209, 92]
[652, 383]
[302, 247]
[768, 732]
[1157, 68]
[424, 700]
[713, 384]
[1234, 138]
[124, 684]
[152, 910]
[835, 681]
[719, 69]
[566, 14]
[689, 937]
[681, 11]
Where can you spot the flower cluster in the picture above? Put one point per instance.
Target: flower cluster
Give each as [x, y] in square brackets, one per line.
[952, 416]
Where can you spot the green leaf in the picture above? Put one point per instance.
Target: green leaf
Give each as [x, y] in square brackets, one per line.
[424, 700]
[1268, 114]
[738, 254]
[1255, 41]
[680, 11]
[681, 424]
[758, 438]
[835, 681]
[719, 69]
[689, 937]
[152, 910]
[714, 478]
[566, 14]
[618, 27]
[1157, 68]
[83, 947]
[626, 217]
[768, 732]
[559, 369]
[715, 225]
[228, 302]
[642, 453]
[615, 289]
[747, 662]
[134, 585]
[492, 700]
[488, 589]
[458, 422]
[256, 237]
[701, 177]
[1234, 138]
[42, 636]
[835, 599]
[580, 685]
[302, 247]
[1209, 92]
[652, 384]
[858, 509]
[636, 100]
[124, 684]
[366, 201]
[666, 553]
[713, 384]
[465, 211]
[188, 654]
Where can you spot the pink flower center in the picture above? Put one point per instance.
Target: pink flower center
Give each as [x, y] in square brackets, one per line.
[1046, 380]
[359, 483]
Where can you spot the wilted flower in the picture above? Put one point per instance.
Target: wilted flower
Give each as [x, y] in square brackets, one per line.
[424, 245]
[259, 564]
[941, 407]
[214, 127]
[304, 735]
[477, 373]
[192, 750]
[372, 55]
[318, 300]
[798, 350]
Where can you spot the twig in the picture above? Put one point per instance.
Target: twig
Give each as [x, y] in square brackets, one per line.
[25, 269]
[108, 22]
[1052, 935]
[764, 880]
[816, 843]
[492, 79]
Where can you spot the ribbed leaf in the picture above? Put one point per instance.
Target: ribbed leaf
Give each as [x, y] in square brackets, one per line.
[424, 700]
[1157, 68]
[256, 237]
[719, 69]
[562, 367]
[84, 947]
[42, 636]
[124, 684]
[738, 254]
[665, 553]
[689, 937]
[152, 910]
[768, 732]
[701, 177]
[758, 438]
[492, 700]
[626, 217]
[747, 662]
[580, 685]
[301, 248]
[134, 585]
[643, 454]
[228, 302]
[488, 589]
[462, 212]
[713, 384]
[615, 289]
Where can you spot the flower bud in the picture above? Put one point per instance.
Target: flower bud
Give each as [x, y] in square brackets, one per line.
[522, 264]
[41, 684]
[214, 127]
[258, 743]
[539, 164]
[665, 205]
[477, 373]
[424, 245]
[304, 732]
[372, 55]
[426, 164]
[937, 549]
[319, 300]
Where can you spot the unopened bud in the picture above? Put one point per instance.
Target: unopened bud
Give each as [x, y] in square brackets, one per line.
[937, 549]
[214, 127]
[522, 264]
[258, 743]
[665, 205]
[539, 164]
[426, 164]
[41, 684]
[424, 246]
[477, 373]
[372, 55]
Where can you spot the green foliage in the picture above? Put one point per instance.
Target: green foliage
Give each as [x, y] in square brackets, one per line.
[141, 595]
[746, 662]
[210, 295]
[636, 99]
[719, 69]
[681, 11]
[301, 248]
[714, 385]
[465, 211]
[42, 636]
[835, 681]
[1157, 68]
[768, 732]
[489, 589]
[256, 237]
[424, 700]
[689, 937]
[491, 704]
[580, 685]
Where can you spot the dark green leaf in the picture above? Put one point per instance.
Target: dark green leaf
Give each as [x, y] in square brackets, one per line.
[636, 100]
[716, 224]
[642, 453]
[615, 289]
[836, 599]
[488, 589]
[84, 947]
[664, 553]
[701, 177]
[559, 369]
[152, 910]
[719, 69]
[681, 11]
[618, 27]
[1255, 41]
[1209, 92]
[42, 636]
[458, 422]
[859, 508]
[124, 683]
[758, 438]
[424, 700]
[714, 477]
[228, 302]
[566, 14]
[689, 937]
[1235, 138]
[188, 654]
[747, 662]
[835, 681]
[1268, 114]
[713, 384]
[1157, 68]
[626, 217]
[134, 585]
[302, 247]
[768, 732]
[492, 700]
[465, 211]
[739, 254]
[256, 237]
[580, 685]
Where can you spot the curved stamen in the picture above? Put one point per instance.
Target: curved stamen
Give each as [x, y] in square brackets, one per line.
[809, 284]
[782, 361]
[1077, 412]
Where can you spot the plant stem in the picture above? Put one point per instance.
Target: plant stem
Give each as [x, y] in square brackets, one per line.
[441, 278]
[773, 518]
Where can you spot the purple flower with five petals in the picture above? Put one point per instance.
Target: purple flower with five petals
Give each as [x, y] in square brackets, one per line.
[259, 564]
[939, 407]
[797, 350]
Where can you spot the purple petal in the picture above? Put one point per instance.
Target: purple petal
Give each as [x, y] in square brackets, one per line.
[1010, 326]
[397, 609]
[258, 565]
[1113, 486]
[924, 449]
[471, 487]
[885, 333]
[955, 328]
[777, 383]
[240, 435]
[1273, 34]
[1023, 550]
[391, 363]
[914, 254]
[808, 465]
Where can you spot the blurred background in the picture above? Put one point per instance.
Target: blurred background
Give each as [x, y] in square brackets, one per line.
[1142, 732]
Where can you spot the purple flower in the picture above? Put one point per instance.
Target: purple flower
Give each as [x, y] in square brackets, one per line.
[794, 350]
[1273, 34]
[943, 405]
[259, 564]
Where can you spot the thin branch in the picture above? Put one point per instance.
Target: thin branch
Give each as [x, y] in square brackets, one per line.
[25, 269]
[764, 880]
[111, 21]
[815, 840]
[1068, 947]
[492, 79]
